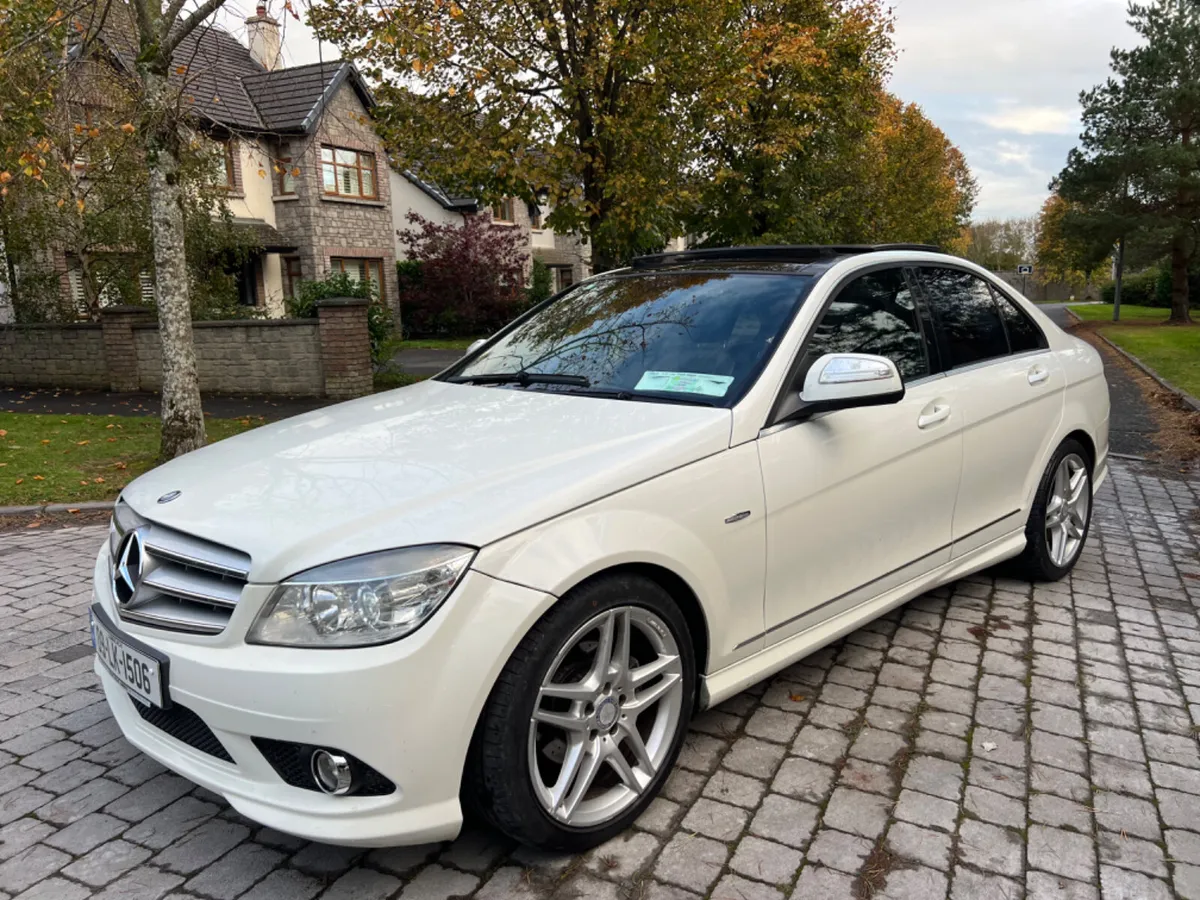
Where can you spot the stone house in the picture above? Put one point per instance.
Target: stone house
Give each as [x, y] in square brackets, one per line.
[303, 166]
[568, 257]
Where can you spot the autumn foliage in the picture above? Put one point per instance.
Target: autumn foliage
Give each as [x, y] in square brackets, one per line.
[469, 279]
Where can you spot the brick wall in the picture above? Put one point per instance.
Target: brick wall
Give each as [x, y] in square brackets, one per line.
[52, 356]
[282, 357]
[325, 357]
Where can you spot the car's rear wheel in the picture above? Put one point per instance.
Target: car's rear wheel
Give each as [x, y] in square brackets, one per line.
[587, 716]
[1061, 516]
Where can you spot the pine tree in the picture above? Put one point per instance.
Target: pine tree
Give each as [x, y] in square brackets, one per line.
[1137, 172]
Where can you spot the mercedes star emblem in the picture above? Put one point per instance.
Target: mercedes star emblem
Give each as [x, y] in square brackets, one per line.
[127, 568]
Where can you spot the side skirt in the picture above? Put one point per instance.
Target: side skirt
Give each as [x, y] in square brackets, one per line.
[733, 679]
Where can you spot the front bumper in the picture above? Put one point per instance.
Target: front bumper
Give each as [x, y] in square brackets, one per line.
[407, 709]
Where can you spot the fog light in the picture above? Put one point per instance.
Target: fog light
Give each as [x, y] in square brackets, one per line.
[331, 772]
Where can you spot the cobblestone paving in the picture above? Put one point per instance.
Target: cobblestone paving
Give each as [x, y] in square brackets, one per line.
[988, 740]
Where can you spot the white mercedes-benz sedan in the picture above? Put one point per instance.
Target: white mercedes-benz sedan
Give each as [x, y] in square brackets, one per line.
[509, 588]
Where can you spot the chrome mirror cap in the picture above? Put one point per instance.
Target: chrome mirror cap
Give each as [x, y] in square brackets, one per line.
[846, 379]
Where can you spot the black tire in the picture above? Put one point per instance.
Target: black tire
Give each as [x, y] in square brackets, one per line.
[497, 783]
[1035, 562]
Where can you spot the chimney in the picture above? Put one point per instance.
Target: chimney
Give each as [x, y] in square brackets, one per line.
[262, 33]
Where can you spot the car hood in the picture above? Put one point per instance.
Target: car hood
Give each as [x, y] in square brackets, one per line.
[430, 463]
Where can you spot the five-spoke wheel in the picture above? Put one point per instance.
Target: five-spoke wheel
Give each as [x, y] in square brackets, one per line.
[1061, 514]
[596, 741]
[587, 717]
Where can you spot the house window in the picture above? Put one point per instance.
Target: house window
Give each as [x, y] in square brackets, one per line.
[370, 270]
[535, 216]
[566, 278]
[230, 164]
[348, 173]
[285, 182]
[291, 276]
[504, 211]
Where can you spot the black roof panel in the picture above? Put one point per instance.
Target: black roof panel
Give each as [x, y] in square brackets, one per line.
[798, 253]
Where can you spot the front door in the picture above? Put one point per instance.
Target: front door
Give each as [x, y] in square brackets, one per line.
[861, 500]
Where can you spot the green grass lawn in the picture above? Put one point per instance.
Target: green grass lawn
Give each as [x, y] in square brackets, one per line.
[73, 458]
[1171, 351]
[1103, 313]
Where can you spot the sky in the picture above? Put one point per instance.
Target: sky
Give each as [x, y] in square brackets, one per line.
[1000, 77]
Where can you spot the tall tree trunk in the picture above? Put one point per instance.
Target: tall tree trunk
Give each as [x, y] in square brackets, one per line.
[1118, 278]
[1180, 314]
[182, 416]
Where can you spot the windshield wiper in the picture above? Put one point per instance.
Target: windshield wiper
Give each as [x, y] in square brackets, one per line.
[522, 378]
[645, 396]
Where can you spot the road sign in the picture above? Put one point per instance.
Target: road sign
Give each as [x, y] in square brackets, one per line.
[1024, 270]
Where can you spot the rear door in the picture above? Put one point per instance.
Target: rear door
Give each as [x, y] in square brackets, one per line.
[1010, 389]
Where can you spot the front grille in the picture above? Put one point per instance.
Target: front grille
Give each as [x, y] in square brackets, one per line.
[292, 763]
[184, 725]
[186, 584]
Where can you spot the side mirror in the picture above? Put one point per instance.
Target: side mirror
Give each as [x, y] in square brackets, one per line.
[475, 345]
[846, 380]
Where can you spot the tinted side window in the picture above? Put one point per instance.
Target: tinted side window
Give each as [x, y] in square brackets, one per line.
[1023, 335]
[875, 313]
[966, 313]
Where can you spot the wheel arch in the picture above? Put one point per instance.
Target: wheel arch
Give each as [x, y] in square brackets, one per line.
[680, 591]
[1088, 444]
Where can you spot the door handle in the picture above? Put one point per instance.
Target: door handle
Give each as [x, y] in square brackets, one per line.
[933, 414]
[1038, 374]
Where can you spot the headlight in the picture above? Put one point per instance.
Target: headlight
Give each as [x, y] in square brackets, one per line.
[361, 601]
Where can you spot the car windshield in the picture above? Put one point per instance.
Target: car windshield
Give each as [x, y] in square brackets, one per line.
[700, 337]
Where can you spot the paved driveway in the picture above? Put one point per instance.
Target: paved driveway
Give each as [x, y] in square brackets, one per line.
[988, 740]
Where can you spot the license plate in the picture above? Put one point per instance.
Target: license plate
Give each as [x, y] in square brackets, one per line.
[140, 670]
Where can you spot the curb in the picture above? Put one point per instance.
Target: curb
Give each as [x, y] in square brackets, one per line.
[91, 506]
[1178, 392]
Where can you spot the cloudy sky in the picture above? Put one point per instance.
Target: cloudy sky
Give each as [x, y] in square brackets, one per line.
[1000, 77]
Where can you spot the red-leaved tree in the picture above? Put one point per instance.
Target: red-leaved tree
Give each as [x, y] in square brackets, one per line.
[463, 280]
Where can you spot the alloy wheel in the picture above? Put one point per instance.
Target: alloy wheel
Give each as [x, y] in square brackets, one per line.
[1067, 510]
[605, 716]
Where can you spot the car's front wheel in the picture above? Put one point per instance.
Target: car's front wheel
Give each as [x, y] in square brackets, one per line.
[1061, 516]
[587, 716]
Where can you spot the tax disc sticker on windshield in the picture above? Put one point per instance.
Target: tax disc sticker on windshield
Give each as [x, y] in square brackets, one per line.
[685, 383]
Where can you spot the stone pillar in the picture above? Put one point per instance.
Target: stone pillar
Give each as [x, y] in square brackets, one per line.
[120, 352]
[345, 347]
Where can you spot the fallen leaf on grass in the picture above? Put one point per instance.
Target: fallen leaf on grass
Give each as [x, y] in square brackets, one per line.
[122, 466]
[112, 440]
[97, 481]
[84, 483]
[82, 443]
[39, 478]
[46, 441]
[108, 426]
[20, 480]
[3, 432]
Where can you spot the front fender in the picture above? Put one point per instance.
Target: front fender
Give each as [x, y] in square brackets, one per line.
[676, 521]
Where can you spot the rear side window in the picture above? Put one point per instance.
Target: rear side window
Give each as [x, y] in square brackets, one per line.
[876, 314]
[1023, 335]
[966, 314]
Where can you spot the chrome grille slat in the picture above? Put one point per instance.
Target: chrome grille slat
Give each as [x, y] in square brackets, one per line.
[166, 543]
[162, 612]
[191, 585]
[187, 583]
